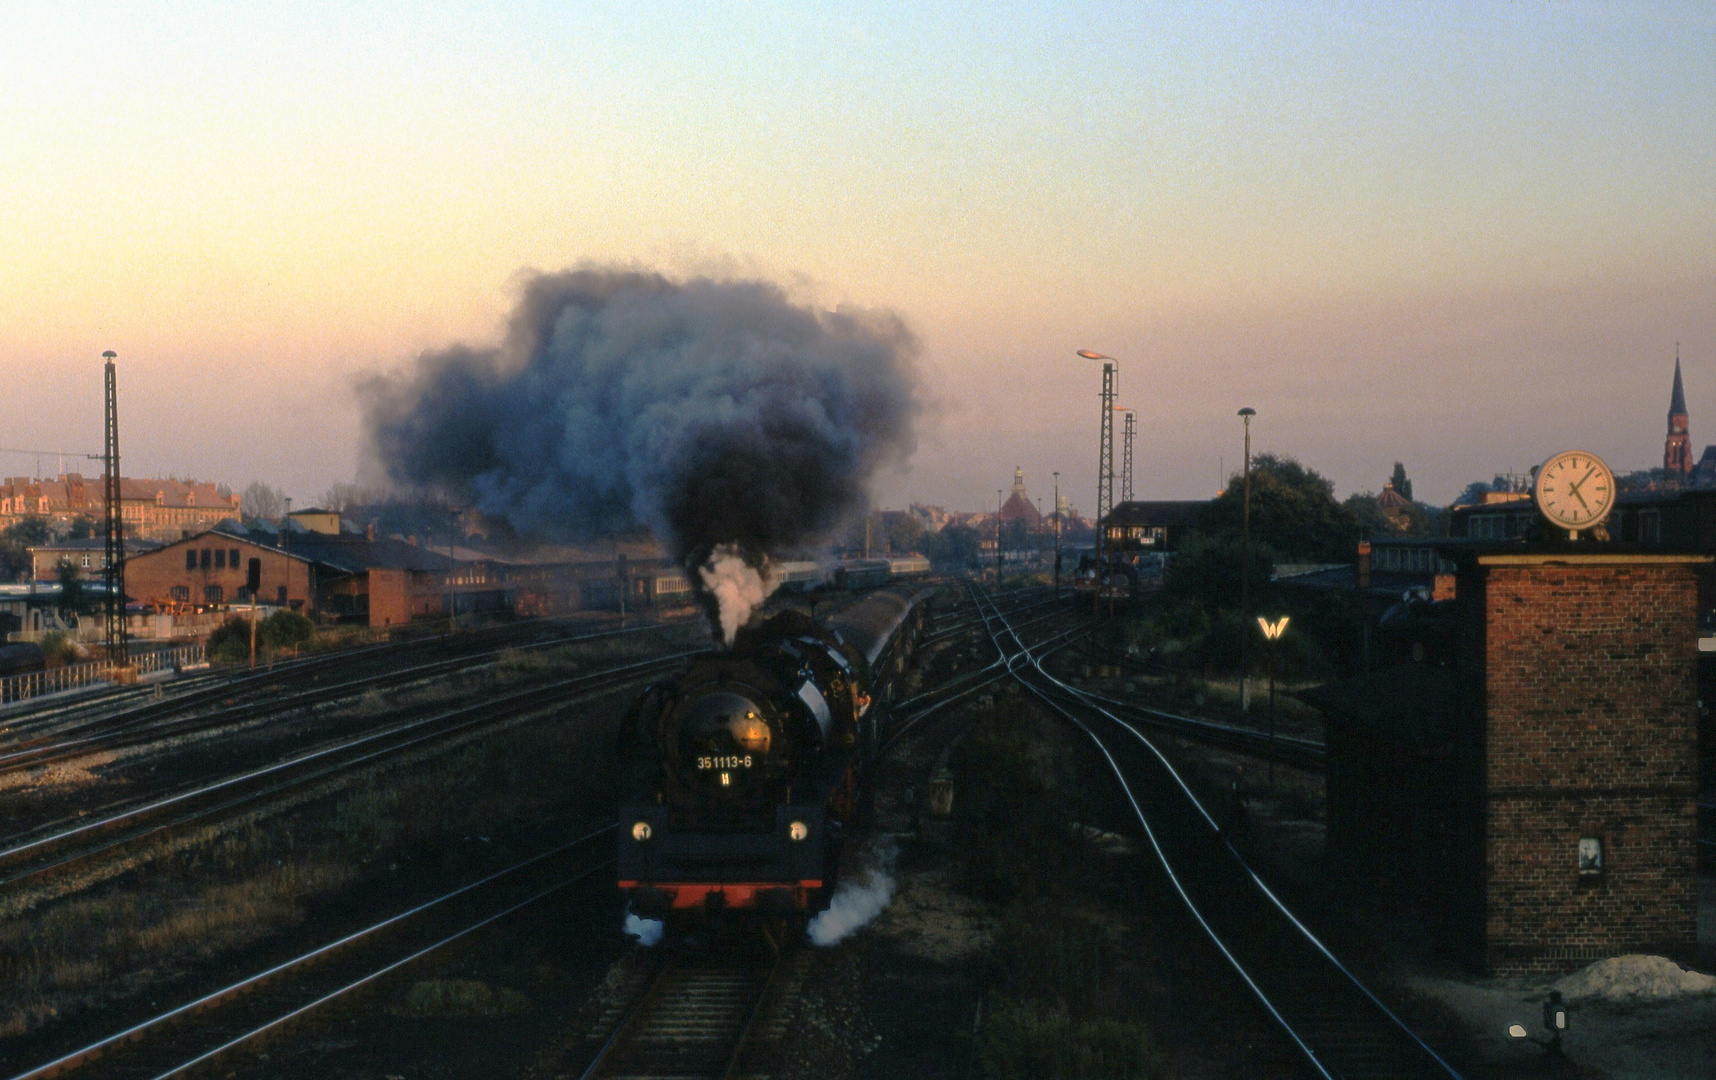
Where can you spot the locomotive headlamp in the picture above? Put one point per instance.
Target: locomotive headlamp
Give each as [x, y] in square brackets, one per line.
[642, 832]
[798, 830]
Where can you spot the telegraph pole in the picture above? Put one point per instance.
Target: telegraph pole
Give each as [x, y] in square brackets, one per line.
[1126, 464]
[1057, 536]
[118, 654]
[1104, 481]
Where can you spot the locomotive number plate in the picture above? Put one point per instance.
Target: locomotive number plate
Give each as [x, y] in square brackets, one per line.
[733, 761]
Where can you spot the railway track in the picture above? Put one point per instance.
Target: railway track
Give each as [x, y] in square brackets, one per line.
[697, 1014]
[222, 1025]
[34, 863]
[694, 1020]
[42, 715]
[173, 718]
[1337, 1026]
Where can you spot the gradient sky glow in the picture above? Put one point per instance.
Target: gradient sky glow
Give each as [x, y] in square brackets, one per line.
[1460, 236]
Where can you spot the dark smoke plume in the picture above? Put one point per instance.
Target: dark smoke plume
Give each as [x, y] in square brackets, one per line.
[732, 423]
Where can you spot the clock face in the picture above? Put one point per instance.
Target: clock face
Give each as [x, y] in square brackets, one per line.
[1575, 490]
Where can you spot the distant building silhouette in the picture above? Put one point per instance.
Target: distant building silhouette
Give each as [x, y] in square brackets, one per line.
[1018, 505]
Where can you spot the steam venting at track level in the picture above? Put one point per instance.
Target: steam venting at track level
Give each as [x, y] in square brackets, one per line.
[734, 424]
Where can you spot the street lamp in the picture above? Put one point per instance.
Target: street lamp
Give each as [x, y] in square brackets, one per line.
[1272, 631]
[1245, 414]
[999, 506]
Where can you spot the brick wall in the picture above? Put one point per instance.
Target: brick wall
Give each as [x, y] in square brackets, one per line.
[1590, 696]
[150, 578]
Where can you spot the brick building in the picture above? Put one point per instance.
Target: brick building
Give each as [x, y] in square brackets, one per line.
[1528, 797]
[89, 555]
[151, 509]
[210, 570]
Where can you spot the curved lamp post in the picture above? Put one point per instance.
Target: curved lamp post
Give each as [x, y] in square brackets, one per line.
[1245, 414]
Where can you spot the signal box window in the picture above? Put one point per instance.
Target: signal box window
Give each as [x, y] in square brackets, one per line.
[207, 555]
[190, 558]
[220, 558]
[182, 593]
[232, 558]
[213, 594]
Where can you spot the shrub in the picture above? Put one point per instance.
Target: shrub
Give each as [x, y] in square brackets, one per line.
[285, 629]
[230, 641]
[1026, 1039]
[57, 649]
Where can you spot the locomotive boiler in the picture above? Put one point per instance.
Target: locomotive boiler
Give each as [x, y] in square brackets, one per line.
[743, 776]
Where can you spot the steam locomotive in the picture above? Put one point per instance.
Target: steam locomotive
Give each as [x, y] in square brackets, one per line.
[743, 775]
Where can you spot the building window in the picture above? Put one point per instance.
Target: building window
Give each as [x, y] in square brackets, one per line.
[213, 594]
[208, 556]
[86, 562]
[181, 593]
[232, 558]
[280, 596]
[220, 558]
[242, 596]
[190, 558]
[1650, 527]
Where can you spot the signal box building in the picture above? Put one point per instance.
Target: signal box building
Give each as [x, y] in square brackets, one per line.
[1525, 797]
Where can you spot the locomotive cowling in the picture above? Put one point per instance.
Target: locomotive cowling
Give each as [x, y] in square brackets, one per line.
[743, 773]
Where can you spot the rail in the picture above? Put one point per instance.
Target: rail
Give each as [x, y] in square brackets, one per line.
[1339, 1025]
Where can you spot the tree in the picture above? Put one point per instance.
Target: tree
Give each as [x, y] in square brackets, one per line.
[260, 501]
[74, 598]
[1475, 491]
[1206, 570]
[1293, 511]
[15, 543]
[953, 548]
[1400, 482]
[1374, 521]
[342, 496]
[904, 533]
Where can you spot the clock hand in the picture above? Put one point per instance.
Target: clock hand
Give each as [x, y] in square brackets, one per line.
[1575, 490]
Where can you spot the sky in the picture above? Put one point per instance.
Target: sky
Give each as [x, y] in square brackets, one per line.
[1464, 237]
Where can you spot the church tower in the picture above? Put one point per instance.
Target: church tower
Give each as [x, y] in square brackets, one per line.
[1677, 448]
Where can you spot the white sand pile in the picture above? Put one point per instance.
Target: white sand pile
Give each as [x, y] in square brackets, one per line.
[1634, 980]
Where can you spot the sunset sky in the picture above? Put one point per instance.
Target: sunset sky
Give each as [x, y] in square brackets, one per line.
[1459, 236]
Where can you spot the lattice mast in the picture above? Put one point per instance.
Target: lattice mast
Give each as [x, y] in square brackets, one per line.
[117, 650]
[1126, 462]
[1105, 459]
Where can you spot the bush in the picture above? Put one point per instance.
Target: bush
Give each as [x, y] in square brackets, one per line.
[230, 641]
[57, 649]
[284, 629]
[1026, 1039]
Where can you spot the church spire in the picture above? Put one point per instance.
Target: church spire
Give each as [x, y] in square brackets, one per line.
[1677, 406]
[1677, 447]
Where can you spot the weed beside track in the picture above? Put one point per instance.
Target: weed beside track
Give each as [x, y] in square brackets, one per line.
[294, 871]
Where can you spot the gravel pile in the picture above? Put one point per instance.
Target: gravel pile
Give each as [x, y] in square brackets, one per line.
[1634, 980]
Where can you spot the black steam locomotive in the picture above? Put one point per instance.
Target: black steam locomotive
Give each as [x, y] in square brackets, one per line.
[743, 774]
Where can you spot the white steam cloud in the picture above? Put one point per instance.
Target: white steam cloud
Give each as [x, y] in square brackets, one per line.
[859, 898]
[647, 931]
[737, 587]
